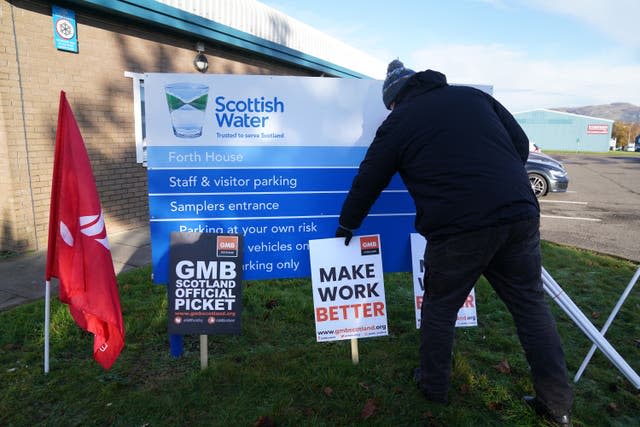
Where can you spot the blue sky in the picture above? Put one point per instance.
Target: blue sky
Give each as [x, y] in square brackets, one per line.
[535, 53]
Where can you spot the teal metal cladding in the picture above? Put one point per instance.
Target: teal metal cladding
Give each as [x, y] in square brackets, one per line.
[556, 130]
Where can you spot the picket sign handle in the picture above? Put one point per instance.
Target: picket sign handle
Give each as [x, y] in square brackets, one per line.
[204, 351]
[355, 357]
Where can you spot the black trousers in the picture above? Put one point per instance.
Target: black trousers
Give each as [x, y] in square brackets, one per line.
[509, 257]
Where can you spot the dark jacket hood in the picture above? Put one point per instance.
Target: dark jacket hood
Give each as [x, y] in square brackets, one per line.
[420, 83]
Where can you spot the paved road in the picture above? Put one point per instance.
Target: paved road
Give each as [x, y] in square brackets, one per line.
[601, 210]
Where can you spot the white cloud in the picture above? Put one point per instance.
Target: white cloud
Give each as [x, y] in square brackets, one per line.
[521, 82]
[616, 19]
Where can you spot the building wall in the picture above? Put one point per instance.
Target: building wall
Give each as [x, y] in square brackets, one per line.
[555, 130]
[32, 74]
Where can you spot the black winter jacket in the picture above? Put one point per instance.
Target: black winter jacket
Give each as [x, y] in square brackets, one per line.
[460, 153]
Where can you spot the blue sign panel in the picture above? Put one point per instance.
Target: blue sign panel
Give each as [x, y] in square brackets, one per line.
[65, 35]
[279, 247]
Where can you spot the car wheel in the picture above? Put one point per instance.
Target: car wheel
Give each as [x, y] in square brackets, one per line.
[538, 184]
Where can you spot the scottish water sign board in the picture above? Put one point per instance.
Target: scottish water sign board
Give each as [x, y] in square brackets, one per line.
[205, 286]
[270, 158]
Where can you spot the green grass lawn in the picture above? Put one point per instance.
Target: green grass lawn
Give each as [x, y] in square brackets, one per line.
[275, 373]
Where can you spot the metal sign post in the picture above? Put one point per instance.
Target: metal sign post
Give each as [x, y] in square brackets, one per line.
[558, 295]
[612, 316]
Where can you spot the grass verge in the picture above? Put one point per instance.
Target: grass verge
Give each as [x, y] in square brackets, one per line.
[276, 374]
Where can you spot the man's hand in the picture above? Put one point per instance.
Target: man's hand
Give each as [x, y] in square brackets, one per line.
[344, 232]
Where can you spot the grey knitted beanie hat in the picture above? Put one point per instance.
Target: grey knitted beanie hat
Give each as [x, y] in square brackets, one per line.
[397, 76]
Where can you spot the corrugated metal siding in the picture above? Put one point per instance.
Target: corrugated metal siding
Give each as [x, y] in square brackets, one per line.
[555, 130]
[270, 24]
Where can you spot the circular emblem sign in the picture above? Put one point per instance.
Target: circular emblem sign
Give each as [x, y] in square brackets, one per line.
[64, 28]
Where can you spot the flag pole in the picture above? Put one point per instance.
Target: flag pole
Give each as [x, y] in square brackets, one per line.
[47, 309]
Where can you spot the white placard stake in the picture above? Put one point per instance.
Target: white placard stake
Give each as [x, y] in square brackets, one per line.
[355, 356]
[204, 351]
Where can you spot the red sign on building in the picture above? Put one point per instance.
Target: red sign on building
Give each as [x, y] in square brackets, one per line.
[597, 129]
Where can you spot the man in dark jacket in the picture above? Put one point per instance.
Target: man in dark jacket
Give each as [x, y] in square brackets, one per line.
[461, 155]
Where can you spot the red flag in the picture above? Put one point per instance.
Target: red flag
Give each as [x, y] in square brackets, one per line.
[78, 252]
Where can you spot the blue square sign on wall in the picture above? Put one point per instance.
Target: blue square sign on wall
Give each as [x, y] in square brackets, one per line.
[65, 35]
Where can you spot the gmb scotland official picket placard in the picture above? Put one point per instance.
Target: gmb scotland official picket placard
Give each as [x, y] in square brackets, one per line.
[205, 286]
[348, 288]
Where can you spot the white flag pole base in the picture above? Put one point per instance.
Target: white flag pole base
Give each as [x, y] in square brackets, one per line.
[47, 309]
[204, 351]
[355, 356]
[604, 329]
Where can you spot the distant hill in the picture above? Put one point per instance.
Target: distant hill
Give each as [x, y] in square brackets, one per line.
[619, 111]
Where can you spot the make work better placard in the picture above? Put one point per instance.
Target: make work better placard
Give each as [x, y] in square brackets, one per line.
[205, 286]
[467, 313]
[348, 288]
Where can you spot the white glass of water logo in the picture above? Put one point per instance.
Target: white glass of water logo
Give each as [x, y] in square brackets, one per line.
[187, 104]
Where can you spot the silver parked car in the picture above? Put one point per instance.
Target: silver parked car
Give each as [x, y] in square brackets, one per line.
[546, 174]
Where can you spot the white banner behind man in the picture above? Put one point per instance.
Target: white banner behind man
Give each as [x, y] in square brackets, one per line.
[467, 313]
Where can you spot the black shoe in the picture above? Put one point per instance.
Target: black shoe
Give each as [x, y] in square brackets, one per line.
[563, 420]
[433, 397]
